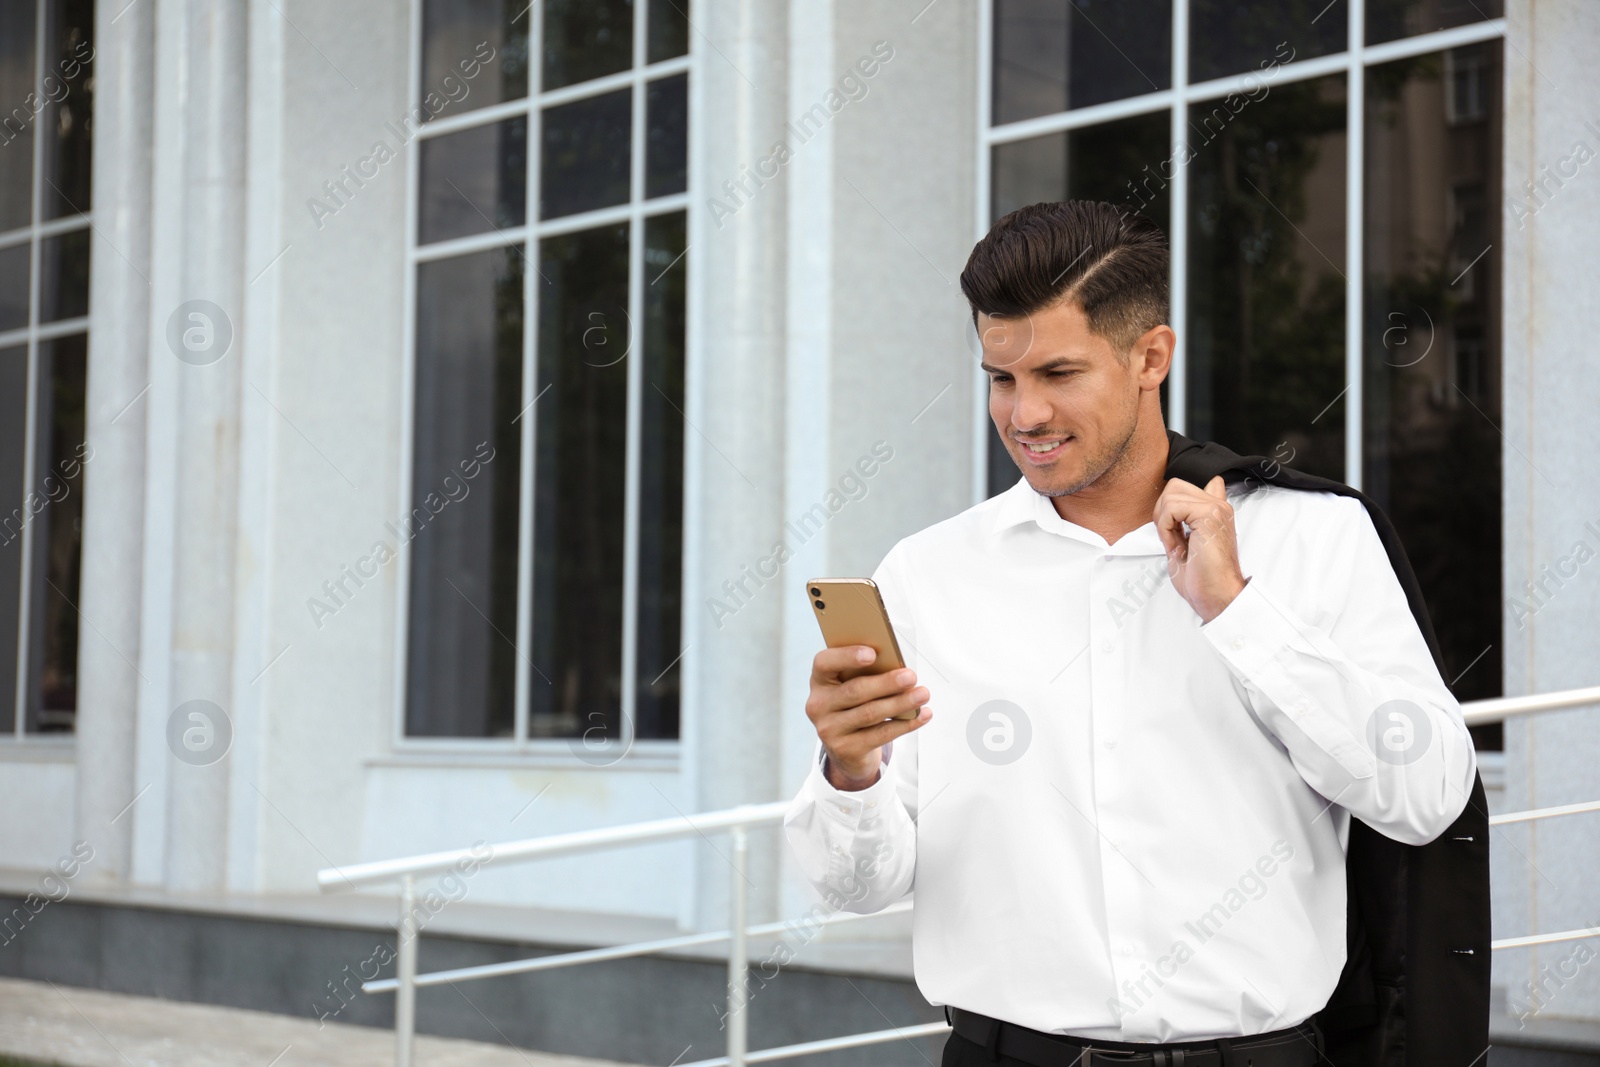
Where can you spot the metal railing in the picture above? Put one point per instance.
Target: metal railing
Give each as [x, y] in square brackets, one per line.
[737, 823]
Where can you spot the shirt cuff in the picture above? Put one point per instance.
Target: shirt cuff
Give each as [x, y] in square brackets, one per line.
[847, 809]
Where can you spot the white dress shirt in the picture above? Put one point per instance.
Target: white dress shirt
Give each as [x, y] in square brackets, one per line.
[1145, 841]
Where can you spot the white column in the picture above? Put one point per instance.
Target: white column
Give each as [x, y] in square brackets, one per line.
[734, 450]
[114, 477]
[207, 461]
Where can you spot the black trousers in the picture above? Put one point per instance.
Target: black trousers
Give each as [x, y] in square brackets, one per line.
[960, 1052]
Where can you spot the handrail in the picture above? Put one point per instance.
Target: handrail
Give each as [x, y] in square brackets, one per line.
[1498, 709]
[738, 821]
[535, 848]
[619, 952]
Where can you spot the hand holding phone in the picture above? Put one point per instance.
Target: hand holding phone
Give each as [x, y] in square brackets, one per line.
[862, 693]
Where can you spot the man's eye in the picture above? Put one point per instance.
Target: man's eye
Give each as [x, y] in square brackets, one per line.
[1000, 379]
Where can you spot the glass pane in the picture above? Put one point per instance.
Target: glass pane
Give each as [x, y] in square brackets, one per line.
[14, 285]
[1388, 20]
[586, 39]
[1235, 36]
[17, 44]
[57, 536]
[667, 153]
[585, 159]
[666, 270]
[474, 181]
[1266, 283]
[1124, 162]
[1432, 453]
[474, 53]
[1050, 56]
[67, 118]
[64, 276]
[466, 471]
[669, 29]
[13, 443]
[581, 430]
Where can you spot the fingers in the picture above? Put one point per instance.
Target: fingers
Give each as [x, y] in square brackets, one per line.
[872, 691]
[829, 665]
[1204, 511]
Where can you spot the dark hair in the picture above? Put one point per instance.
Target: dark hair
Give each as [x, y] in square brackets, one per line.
[1111, 261]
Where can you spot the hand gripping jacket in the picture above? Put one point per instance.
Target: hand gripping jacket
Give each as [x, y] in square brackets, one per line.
[1415, 987]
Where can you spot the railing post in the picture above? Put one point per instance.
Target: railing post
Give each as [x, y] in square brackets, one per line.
[405, 998]
[738, 951]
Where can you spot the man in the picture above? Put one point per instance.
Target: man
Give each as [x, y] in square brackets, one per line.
[1146, 711]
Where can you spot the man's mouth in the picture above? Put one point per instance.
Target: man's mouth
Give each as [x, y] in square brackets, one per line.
[1045, 450]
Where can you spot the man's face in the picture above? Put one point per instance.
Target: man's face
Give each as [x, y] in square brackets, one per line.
[1062, 389]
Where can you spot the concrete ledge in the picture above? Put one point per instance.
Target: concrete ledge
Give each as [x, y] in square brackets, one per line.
[54, 1024]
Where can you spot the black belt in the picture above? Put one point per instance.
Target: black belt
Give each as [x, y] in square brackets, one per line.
[1298, 1046]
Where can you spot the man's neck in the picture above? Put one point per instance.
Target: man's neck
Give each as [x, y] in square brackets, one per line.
[1123, 498]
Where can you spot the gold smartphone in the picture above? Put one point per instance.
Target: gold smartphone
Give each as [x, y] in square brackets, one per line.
[851, 612]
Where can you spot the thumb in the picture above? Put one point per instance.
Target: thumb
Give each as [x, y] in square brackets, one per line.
[1217, 487]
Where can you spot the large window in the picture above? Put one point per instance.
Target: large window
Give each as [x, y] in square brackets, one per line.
[549, 265]
[1327, 173]
[46, 89]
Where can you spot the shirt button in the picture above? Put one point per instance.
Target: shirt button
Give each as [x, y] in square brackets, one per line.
[845, 808]
[1127, 950]
[1238, 643]
[1107, 647]
[1109, 744]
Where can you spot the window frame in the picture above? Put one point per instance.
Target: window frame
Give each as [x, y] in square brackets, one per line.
[522, 749]
[34, 235]
[1352, 62]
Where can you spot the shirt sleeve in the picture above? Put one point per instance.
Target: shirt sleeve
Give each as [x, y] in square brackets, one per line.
[859, 848]
[1354, 696]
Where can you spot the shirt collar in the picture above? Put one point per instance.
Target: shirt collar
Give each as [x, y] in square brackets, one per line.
[1021, 504]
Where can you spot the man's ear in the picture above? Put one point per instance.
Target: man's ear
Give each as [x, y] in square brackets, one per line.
[1152, 354]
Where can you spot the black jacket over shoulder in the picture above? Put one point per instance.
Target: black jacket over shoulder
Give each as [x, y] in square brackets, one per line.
[1415, 986]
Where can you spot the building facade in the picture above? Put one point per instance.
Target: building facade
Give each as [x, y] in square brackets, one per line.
[419, 418]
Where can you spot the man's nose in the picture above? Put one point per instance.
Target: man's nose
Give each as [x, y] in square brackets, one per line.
[1031, 409]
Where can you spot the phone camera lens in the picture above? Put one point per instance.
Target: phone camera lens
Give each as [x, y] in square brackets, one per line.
[815, 591]
[821, 606]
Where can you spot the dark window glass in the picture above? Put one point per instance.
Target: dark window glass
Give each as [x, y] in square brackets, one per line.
[1050, 56]
[13, 508]
[14, 285]
[52, 697]
[1125, 162]
[1266, 286]
[64, 276]
[462, 527]
[474, 181]
[666, 272]
[586, 151]
[17, 118]
[1388, 20]
[1236, 36]
[586, 39]
[1432, 348]
[474, 53]
[667, 154]
[669, 29]
[67, 117]
[579, 480]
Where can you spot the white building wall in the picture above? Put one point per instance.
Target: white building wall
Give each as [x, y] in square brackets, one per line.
[824, 318]
[1548, 878]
